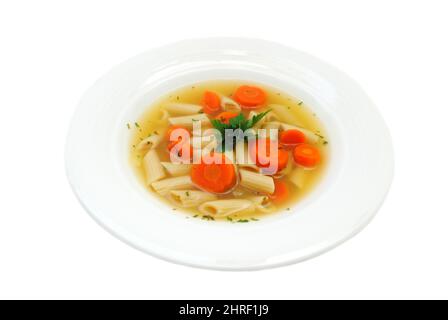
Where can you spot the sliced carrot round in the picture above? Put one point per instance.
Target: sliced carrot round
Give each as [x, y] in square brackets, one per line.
[215, 177]
[250, 97]
[291, 138]
[281, 192]
[211, 102]
[225, 116]
[306, 155]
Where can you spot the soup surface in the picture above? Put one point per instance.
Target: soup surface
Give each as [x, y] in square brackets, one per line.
[228, 150]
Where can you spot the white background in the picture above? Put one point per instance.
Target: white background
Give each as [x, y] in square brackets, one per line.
[52, 51]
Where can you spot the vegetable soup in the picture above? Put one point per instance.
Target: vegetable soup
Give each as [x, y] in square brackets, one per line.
[228, 150]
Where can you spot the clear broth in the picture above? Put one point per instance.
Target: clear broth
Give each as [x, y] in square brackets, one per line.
[148, 124]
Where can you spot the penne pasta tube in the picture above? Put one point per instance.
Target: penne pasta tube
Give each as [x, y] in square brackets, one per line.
[190, 198]
[310, 135]
[177, 169]
[153, 169]
[164, 116]
[283, 113]
[223, 208]
[271, 117]
[150, 142]
[256, 181]
[229, 104]
[259, 123]
[164, 186]
[183, 108]
[298, 177]
[271, 125]
[269, 130]
[187, 121]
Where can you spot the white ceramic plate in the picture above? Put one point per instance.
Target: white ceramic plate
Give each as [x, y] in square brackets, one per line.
[353, 188]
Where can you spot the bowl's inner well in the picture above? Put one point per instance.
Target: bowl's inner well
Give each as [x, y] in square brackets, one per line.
[184, 75]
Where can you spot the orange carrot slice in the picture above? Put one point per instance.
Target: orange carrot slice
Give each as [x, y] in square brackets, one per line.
[215, 177]
[306, 155]
[291, 138]
[250, 97]
[225, 116]
[281, 192]
[211, 102]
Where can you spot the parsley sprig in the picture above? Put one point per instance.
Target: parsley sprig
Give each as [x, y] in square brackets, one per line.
[238, 122]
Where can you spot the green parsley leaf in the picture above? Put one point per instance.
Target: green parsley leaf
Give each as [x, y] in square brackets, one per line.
[238, 122]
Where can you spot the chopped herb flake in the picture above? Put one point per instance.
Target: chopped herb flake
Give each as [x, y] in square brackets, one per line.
[243, 220]
[128, 125]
